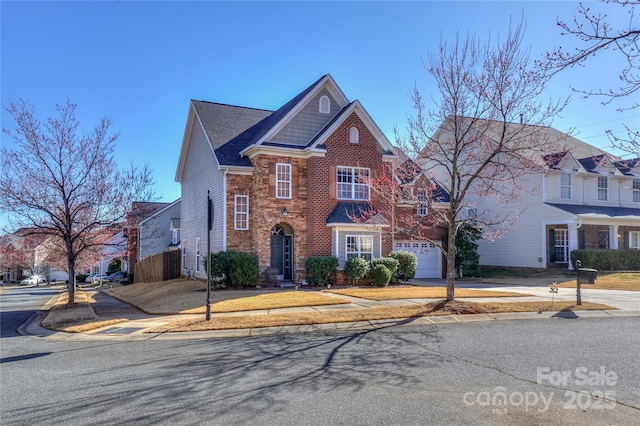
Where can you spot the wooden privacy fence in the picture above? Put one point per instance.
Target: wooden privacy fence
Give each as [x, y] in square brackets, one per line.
[159, 267]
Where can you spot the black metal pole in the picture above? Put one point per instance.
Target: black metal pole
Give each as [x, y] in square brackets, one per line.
[209, 226]
[578, 295]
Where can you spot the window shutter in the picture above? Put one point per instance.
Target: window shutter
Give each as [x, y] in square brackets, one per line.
[332, 182]
[627, 239]
[581, 239]
[552, 246]
[295, 180]
[272, 179]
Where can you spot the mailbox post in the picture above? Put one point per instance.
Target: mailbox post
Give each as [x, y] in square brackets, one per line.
[584, 276]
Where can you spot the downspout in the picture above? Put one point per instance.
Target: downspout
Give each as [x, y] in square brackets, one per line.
[224, 210]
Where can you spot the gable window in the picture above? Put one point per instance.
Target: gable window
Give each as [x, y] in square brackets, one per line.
[422, 202]
[565, 186]
[354, 136]
[634, 240]
[283, 180]
[636, 190]
[197, 254]
[359, 246]
[352, 183]
[603, 188]
[184, 254]
[241, 221]
[325, 104]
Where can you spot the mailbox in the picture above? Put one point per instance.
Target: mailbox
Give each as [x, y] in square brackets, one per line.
[587, 275]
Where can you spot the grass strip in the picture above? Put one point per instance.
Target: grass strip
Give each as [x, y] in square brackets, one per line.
[395, 293]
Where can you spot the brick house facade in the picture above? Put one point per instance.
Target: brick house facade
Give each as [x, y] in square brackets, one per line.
[285, 184]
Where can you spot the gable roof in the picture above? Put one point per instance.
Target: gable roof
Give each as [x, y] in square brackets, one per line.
[235, 132]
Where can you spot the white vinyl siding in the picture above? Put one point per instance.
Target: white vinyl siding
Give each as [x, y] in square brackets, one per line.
[283, 180]
[603, 188]
[565, 186]
[241, 215]
[359, 246]
[324, 105]
[636, 190]
[352, 183]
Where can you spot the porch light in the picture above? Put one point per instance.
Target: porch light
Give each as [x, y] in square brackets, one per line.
[284, 212]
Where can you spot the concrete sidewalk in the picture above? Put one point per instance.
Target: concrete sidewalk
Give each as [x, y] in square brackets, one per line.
[627, 302]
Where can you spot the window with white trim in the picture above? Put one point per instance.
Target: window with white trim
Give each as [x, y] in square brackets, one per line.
[636, 190]
[634, 240]
[565, 186]
[359, 246]
[174, 236]
[197, 254]
[354, 135]
[241, 215]
[422, 202]
[352, 183]
[561, 244]
[283, 180]
[184, 254]
[325, 104]
[603, 188]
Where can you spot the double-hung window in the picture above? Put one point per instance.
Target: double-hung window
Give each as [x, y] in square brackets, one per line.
[283, 180]
[636, 190]
[603, 188]
[241, 212]
[422, 202]
[565, 186]
[634, 240]
[352, 183]
[359, 246]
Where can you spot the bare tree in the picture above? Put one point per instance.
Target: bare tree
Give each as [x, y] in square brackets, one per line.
[65, 182]
[481, 136]
[597, 33]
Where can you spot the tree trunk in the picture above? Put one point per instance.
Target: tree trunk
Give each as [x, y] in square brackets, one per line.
[451, 261]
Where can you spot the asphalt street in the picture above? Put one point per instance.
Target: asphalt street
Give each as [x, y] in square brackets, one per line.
[569, 371]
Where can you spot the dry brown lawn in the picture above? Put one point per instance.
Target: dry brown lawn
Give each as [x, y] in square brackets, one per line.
[619, 281]
[367, 314]
[395, 293]
[77, 318]
[190, 297]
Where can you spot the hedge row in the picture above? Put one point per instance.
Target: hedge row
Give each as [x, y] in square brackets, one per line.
[607, 259]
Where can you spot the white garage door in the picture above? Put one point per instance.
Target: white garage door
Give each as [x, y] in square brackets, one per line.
[429, 257]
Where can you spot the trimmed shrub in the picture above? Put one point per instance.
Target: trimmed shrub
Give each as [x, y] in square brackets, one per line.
[407, 264]
[381, 275]
[607, 259]
[391, 264]
[234, 269]
[321, 270]
[355, 269]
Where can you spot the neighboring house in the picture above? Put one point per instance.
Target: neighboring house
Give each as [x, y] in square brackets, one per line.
[285, 184]
[160, 231]
[584, 199]
[18, 254]
[140, 210]
[50, 258]
[114, 248]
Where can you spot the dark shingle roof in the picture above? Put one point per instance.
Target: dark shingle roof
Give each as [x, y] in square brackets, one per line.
[346, 212]
[579, 209]
[232, 129]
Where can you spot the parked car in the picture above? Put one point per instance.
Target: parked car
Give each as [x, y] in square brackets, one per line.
[116, 277]
[34, 279]
[90, 278]
[97, 278]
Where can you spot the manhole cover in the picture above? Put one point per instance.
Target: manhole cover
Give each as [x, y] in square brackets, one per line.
[120, 330]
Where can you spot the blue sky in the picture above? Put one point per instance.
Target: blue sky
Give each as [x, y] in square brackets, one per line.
[141, 62]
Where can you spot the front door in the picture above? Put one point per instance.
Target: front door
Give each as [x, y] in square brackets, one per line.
[281, 252]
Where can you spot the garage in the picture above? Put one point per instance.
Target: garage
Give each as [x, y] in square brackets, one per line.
[429, 257]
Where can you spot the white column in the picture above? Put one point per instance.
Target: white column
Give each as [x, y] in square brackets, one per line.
[573, 241]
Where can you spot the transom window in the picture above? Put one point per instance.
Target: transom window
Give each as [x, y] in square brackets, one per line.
[283, 180]
[352, 183]
[603, 188]
[634, 240]
[422, 202]
[565, 186]
[241, 212]
[360, 246]
[636, 190]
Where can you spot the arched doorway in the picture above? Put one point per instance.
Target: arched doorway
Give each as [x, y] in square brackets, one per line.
[282, 251]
